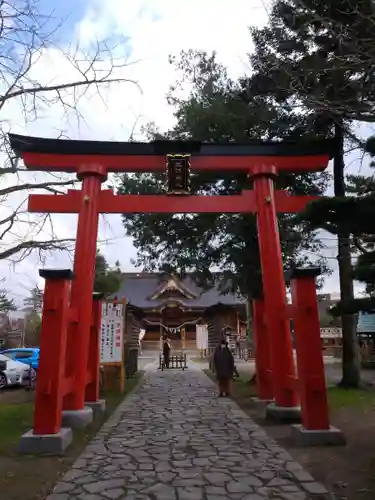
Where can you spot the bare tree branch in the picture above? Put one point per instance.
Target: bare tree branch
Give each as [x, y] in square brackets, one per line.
[41, 185]
[37, 74]
[28, 246]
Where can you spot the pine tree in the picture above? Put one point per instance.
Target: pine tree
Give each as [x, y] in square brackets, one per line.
[318, 57]
[217, 109]
[35, 300]
[107, 279]
[6, 304]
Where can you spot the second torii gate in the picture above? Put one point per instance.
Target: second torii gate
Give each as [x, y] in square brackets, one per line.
[92, 161]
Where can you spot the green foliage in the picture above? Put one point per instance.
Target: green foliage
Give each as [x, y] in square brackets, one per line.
[6, 304]
[353, 214]
[35, 300]
[352, 306]
[318, 54]
[350, 214]
[107, 279]
[217, 109]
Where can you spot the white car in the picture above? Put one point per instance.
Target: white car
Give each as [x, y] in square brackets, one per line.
[15, 372]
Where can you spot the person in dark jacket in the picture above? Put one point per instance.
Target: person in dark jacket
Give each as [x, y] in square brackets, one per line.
[224, 367]
[166, 351]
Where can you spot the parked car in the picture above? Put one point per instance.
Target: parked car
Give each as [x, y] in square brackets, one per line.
[14, 372]
[27, 355]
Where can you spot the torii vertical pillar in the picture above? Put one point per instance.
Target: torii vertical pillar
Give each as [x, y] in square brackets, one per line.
[92, 175]
[286, 406]
[315, 428]
[263, 368]
[48, 436]
[93, 386]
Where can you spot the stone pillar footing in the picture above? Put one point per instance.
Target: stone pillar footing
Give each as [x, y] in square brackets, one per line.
[260, 403]
[45, 444]
[323, 437]
[98, 407]
[77, 419]
[283, 414]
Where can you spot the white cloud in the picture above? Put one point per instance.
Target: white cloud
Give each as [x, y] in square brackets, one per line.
[154, 29]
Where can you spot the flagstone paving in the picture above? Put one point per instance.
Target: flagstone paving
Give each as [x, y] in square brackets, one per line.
[173, 439]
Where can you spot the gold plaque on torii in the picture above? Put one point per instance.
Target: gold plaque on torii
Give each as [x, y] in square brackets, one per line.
[178, 174]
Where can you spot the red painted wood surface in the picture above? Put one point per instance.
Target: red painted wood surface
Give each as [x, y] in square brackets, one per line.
[93, 387]
[51, 383]
[121, 204]
[156, 163]
[262, 352]
[312, 385]
[82, 288]
[276, 309]
[90, 201]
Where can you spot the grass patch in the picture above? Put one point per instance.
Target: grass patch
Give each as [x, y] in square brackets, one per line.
[15, 419]
[354, 398]
[32, 477]
[242, 390]
[199, 360]
[338, 397]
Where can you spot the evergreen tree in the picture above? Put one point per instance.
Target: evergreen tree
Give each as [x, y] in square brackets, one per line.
[35, 300]
[317, 56]
[6, 304]
[216, 109]
[107, 279]
[354, 214]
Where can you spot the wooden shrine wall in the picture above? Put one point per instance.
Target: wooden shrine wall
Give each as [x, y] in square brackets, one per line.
[132, 329]
[216, 320]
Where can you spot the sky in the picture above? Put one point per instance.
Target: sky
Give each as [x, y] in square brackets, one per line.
[143, 33]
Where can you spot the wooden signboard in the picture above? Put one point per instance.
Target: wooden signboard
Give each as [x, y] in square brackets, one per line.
[112, 344]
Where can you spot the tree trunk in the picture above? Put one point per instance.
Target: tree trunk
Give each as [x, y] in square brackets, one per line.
[351, 375]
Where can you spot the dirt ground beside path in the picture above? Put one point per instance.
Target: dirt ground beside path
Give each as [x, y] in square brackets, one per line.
[33, 477]
[347, 471]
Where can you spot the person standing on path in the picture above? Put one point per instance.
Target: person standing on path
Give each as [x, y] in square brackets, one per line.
[224, 367]
[166, 351]
[238, 345]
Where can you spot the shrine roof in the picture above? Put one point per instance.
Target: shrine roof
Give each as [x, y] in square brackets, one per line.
[139, 288]
[26, 144]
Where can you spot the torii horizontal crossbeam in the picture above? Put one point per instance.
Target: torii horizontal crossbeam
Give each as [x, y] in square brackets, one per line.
[121, 204]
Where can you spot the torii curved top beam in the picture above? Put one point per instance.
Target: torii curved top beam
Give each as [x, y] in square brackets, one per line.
[67, 155]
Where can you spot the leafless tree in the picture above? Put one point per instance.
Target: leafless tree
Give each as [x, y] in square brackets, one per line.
[28, 35]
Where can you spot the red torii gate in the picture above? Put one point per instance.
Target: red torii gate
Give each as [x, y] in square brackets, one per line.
[92, 161]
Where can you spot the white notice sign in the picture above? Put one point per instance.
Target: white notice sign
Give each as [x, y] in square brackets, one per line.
[112, 333]
[202, 336]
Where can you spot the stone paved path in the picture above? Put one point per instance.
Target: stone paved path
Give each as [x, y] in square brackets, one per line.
[174, 439]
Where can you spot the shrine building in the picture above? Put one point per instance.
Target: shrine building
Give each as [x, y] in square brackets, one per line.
[164, 304]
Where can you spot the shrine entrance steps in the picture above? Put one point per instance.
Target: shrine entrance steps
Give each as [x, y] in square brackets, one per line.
[174, 439]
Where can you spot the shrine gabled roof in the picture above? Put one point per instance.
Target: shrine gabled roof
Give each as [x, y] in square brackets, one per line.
[139, 288]
[26, 144]
[174, 285]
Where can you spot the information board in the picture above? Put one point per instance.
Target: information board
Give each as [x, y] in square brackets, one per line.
[331, 333]
[112, 333]
[366, 322]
